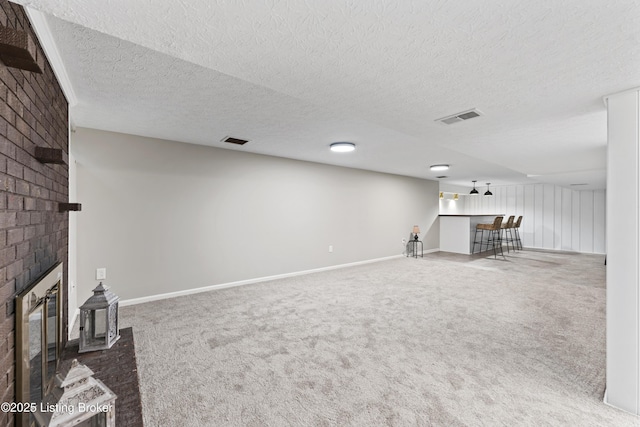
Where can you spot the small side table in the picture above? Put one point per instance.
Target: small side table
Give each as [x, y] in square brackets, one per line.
[414, 244]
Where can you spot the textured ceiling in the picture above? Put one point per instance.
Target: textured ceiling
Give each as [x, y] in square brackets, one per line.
[295, 76]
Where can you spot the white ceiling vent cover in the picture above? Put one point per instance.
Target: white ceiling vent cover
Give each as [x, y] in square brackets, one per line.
[460, 117]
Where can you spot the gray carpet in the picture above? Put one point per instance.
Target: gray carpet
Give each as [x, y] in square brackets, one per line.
[445, 340]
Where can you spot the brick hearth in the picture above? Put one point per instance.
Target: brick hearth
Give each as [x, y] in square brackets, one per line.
[117, 369]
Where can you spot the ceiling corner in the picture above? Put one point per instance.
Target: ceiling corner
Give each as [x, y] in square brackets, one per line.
[41, 27]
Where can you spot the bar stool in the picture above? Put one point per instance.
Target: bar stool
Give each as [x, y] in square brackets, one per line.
[481, 228]
[494, 237]
[516, 227]
[508, 228]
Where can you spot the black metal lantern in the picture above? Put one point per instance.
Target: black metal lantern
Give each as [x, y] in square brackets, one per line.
[99, 320]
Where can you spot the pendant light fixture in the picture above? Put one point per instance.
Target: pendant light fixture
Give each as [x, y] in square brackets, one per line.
[488, 193]
[474, 191]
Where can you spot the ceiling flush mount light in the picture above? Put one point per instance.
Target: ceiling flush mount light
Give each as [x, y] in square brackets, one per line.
[342, 147]
[488, 193]
[439, 167]
[474, 191]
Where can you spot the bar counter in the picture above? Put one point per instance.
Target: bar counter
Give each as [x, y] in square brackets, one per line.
[457, 231]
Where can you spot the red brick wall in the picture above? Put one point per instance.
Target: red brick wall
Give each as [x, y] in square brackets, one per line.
[33, 234]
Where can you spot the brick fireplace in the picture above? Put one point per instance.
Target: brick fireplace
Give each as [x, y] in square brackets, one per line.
[33, 233]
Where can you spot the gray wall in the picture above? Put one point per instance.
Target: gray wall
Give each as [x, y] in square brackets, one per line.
[164, 217]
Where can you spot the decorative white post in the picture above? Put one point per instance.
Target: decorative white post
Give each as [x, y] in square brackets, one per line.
[623, 257]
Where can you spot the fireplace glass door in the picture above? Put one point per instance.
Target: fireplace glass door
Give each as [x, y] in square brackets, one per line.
[53, 326]
[38, 340]
[36, 380]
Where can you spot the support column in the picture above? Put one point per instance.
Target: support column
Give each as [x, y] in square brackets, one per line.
[623, 254]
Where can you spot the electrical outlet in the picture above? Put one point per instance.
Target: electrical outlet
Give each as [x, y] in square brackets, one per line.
[330, 248]
[101, 273]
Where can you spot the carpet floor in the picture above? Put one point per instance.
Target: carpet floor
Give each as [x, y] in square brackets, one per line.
[443, 340]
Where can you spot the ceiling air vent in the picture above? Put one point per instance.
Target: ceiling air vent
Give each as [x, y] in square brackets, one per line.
[237, 141]
[460, 117]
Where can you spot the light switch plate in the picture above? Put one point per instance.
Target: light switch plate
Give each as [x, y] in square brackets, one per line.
[101, 273]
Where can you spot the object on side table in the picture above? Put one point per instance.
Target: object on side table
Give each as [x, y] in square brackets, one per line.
[416, 231]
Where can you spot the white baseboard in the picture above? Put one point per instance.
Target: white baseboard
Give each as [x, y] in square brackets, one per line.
[566, 251]
[606, 402]
[426, 251]
[134, 301]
